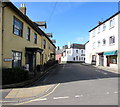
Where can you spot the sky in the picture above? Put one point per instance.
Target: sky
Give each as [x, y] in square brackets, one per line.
[70, 21]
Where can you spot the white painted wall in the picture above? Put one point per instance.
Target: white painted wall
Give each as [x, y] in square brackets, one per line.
[70, 53]
[94, 37]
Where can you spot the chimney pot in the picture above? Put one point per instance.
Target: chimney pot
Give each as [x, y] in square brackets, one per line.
[23, 9]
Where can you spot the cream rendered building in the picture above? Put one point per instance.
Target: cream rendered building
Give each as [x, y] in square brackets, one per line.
[22, 42]
[102, 48]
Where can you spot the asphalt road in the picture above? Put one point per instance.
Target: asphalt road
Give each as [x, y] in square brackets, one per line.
[79, 85]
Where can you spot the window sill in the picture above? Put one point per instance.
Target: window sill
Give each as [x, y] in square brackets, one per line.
[111, 28]
[18, 35]
[112, 44]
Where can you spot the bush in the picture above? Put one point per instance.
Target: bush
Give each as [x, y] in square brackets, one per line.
[14, 75]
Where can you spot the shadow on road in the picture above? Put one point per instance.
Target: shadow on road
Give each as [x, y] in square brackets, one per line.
[70, 72]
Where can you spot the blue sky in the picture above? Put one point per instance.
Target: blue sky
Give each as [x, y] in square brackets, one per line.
[70, 21]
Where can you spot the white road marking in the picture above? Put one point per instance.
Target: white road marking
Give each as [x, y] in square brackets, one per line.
[43, 99]
[6, 101]
[77, 96]
[115, 92]
[47, 89]
[55, 98]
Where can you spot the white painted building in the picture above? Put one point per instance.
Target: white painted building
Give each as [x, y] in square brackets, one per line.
[74, 53]
[102, 48]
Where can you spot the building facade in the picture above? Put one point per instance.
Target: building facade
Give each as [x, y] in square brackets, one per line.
[59, 54]
[23, 42]
[102, 48]
[74, 53]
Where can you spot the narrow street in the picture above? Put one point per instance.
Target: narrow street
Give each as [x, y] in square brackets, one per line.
[78, 84]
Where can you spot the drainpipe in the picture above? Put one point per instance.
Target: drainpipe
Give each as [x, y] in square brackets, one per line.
[1, 21]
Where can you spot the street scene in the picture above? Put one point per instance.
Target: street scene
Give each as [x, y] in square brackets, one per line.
[59, 53]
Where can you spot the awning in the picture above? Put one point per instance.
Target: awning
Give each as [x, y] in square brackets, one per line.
[110, 53]
[33, 49]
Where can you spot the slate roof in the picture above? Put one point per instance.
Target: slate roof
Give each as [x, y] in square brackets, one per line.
[60, 51]
[78, 46]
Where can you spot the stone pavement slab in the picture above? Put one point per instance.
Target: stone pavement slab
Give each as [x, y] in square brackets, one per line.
[28, 92]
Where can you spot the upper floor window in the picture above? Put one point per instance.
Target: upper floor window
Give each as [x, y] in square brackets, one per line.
[99, 29]
[93, 33]
[76, 51]
[44, 44]
[112, 23]
[104, 27]
[112, 40]
[98, 43]
[17, 27]
[104, 41]
[93, 45]
[28, 34]
[35, 38]
[49, 46]
[81, 51]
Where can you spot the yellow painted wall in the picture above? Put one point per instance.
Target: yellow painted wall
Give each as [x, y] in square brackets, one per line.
[16, 43]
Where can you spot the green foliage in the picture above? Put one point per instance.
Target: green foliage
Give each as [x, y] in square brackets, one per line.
[14, 75]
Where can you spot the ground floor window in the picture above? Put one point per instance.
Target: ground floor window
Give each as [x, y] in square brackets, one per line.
[113, 59]
[16, 59]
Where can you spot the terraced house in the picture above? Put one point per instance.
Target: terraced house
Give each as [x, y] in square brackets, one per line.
[23, 42]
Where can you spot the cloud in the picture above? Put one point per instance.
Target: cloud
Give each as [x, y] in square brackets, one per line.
[81, 39]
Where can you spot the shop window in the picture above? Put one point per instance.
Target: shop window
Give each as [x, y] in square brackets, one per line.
[17, 27]
[113, 59]
[16, 59]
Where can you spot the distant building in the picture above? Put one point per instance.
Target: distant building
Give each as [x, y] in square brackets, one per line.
[75, 53]
[102, 48]
[59, 54]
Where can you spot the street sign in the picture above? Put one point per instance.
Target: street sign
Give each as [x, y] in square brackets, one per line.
[7, 59]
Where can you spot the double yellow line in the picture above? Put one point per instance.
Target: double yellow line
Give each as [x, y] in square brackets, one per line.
[39, 97]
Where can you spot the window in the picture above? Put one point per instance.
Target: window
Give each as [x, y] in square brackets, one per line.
[76, 57]
[112, 23]
[17, 27]
[49, 46]
[93, 45]
[35, 38]
[44, 44]
[81, 51]
[28, 34]
[76, 51]
[104, 41]
[16, 59]
[93, 33]
[98, 43]
[98, 29]
[112, 40]
[104, 27]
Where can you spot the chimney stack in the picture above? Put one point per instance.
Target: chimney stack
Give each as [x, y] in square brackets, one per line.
[99, 22]
[68, 44]
[23, 9]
